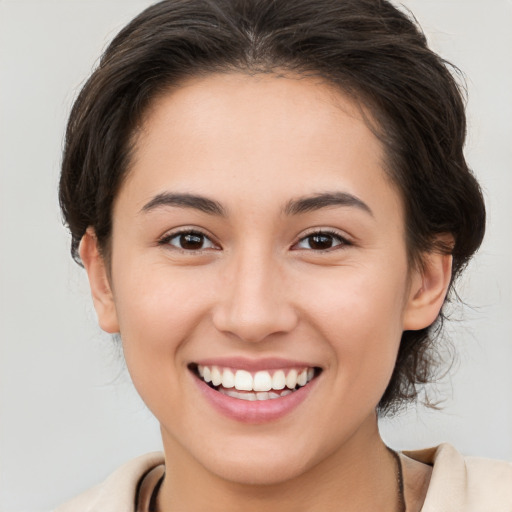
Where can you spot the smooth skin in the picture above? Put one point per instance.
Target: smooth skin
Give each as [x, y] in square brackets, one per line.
[255, 282]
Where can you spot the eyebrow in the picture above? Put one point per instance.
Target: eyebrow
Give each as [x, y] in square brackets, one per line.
[196, 202]
[293, 207]
[324, 200]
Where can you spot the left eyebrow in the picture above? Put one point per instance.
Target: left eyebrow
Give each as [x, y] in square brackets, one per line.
[324, 200]
[196, 202]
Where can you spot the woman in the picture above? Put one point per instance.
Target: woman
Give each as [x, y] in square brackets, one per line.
[272, 205]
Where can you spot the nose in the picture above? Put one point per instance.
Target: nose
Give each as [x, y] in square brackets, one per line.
[256, 301]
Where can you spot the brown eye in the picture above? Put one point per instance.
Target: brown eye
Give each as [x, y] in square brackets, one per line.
[321, 241]
[190, 241]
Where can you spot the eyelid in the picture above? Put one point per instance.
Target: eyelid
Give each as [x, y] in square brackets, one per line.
[343, 238]
[169, 235]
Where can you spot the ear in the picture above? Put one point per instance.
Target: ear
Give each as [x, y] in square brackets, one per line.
[429, 285]
[98, 280]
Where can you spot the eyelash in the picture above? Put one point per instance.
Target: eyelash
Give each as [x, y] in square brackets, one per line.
[166, 240]
[342, 241]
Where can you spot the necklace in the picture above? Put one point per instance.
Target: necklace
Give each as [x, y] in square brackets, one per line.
[400, 480]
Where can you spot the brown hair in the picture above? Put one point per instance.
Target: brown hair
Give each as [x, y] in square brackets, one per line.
[368, 48]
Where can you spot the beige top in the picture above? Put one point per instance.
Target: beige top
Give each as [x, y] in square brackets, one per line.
[458, 484]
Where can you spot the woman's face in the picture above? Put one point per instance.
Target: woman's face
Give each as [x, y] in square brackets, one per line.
[258, 232]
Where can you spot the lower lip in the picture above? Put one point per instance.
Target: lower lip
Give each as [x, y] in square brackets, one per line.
[258, 411]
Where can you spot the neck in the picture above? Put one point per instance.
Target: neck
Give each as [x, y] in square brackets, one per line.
[360, 476]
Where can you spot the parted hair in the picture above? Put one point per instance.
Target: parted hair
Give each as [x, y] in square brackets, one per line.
[369, 49]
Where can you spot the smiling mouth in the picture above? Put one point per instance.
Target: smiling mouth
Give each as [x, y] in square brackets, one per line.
[255, 386]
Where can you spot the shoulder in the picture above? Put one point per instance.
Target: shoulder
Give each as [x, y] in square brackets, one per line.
[117, 493]
[465, 484]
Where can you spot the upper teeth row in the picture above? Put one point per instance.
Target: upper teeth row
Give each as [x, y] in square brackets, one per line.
[260, 381]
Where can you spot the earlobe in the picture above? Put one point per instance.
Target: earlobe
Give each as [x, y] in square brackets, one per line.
[429, 286]
[98, 280]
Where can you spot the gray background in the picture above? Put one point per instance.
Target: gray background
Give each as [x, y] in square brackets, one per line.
[68, 414]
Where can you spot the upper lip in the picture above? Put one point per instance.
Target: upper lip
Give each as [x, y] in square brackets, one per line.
[254, 365]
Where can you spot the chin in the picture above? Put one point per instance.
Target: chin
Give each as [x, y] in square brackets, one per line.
[259, 462]
[256, 471]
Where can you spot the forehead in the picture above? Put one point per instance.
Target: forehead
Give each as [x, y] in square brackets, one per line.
[270, 107]
[258, 138]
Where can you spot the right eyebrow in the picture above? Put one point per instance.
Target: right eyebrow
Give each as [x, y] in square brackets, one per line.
[197, 202]
[325, 200]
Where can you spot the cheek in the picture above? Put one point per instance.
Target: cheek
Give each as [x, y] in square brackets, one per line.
[158, 311]
[156, 302]
[361, 319]
[358, 300]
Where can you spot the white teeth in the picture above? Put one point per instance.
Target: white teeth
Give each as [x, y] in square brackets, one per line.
[216, 376]
[278, 380]
[228, 379]
[302, 379]
[262, 395]
[291, 379]
[251, 397]
[229, 392]
[243, 380]
[262, 381]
